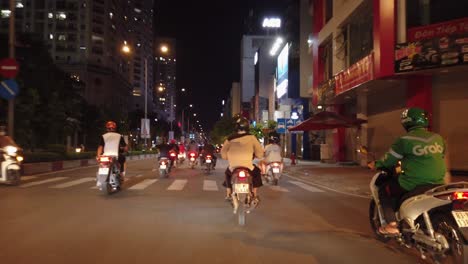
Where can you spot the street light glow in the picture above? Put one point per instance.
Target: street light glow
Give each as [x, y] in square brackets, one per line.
[183, 89]
[164, 48]
[160, 88]
[125, 47]
[191, 105]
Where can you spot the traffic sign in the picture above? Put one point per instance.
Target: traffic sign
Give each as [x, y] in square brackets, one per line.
[9, 68]
[281, 126]
[8, 89]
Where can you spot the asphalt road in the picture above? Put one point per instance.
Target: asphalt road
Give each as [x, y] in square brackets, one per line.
[61, 218]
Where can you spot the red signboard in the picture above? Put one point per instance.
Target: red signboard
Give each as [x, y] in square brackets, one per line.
[9, 68]
[458, 26]
[359, 73]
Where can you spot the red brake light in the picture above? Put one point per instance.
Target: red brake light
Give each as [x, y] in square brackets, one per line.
[192, 154]
[242, 174]
[208, 156]
[460, 196]
[104, 159]
[172, 154]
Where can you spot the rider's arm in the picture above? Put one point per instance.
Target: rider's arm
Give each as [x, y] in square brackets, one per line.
[258, 149]
[100, 147]
[123, 145]
[394, 154]
[224, 150]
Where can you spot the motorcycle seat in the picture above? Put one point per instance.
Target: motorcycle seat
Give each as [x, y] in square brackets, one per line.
[417, 191]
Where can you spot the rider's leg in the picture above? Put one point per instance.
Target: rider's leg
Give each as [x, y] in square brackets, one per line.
[389, 194]
[256, 181]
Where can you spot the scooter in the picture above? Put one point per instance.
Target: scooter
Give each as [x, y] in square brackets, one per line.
[10, 165]
[209, 163]
[164, 167]
[108, 176]
[432, 219]
[242, 195]
[192, 159]
[273, 172]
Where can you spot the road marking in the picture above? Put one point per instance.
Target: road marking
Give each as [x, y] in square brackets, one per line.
[27, 178]
[278, 188]
[177, 185]
[139, 175]
[154, 170]
[142, 185]
[94, 187]
[209, 185]
[42, 182]
[306, 187]
[73, 183]
[328, 188]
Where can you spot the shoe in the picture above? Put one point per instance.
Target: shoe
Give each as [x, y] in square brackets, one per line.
[228, 198]
[389, 230]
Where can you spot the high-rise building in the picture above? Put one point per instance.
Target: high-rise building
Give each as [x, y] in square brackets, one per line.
[85, 38]
[165, 77]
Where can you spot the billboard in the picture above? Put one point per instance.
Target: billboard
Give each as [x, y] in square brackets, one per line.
[282, 72]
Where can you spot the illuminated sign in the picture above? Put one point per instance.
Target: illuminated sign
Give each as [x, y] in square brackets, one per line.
[256, 58]
[276, 46]
[271, 23]
[282, 88]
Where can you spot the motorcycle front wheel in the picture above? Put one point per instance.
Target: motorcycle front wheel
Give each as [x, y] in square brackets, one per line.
[375, 221]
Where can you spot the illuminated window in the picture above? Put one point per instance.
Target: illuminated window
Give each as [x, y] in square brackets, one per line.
[62, 37]
[61, 16]
[50, 15]
[5, 13]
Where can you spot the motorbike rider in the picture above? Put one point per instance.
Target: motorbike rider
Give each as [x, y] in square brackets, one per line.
[164, 148]
[239, 149]
[209, 149]
[193, 148]
[113, 144]
[423, 157]
[272, 153]
[6, 140]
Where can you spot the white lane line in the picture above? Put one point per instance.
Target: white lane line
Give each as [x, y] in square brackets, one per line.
[139, 175]
[73, 183]
[177, 185]
[142, 185]
[209, 185]
[27, 178]
[306, 187]
[328, 188]
[278, 188]
[42, 182]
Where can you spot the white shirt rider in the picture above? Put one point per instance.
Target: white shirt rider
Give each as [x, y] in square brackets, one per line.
[273, 153]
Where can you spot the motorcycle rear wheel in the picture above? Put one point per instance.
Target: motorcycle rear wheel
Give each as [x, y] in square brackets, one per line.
[375, 222]
[458, 251]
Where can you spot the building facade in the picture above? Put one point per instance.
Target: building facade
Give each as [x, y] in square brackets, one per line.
[165, 78]
[373, 58]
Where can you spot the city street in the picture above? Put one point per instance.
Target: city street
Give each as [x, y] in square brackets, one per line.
[62, 218]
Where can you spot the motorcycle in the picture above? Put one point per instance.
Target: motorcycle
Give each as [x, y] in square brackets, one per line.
[173, 159]
[242, 195]
[164, 167]
[209, 163]
[10, 165]
[181, 157]
[273, 172]
[432, 219]
[108, 176]
[192, 159]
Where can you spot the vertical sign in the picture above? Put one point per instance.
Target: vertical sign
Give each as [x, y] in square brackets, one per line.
[145, 128]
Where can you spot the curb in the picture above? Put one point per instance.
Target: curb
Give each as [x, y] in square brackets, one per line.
[44, 167]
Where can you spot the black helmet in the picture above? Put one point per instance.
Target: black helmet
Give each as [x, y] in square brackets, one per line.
[273, 138]
[242, 124]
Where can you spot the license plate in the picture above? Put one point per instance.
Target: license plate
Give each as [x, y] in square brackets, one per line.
[163, 167]
[208, 161]
[275, 170]
[461, 217]
[241, 188]
[192, 159]
[103, 171]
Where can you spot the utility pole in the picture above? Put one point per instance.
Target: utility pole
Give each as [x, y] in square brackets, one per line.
[11, 102]
[146, 102]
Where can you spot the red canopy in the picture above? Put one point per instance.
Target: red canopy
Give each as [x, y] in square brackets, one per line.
[326, 120]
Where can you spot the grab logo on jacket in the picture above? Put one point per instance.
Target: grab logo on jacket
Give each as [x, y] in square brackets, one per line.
[435, 148]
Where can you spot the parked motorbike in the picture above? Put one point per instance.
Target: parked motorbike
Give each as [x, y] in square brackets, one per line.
[108, 176]
[10, 165]
[431, 218]
[209, 163]
[192, 159]
[242, 196]
[273, 172]
[164, 167]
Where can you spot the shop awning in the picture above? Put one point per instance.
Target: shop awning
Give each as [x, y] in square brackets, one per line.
[327, 120]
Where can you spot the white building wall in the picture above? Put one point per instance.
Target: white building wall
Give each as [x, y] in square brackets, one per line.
[247, 69]
[305, 62]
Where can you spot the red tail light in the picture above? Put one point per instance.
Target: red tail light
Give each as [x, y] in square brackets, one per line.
[460, 196]
[192, 154]
[104, 159]
[172, 154]
[163, 163]
[242, 174]
[208, 156]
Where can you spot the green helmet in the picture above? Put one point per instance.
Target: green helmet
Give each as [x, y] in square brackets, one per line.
[413, 118]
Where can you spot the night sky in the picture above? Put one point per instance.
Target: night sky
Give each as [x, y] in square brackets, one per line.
[208, 35]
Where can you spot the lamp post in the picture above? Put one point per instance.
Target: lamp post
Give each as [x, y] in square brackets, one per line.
[183, 116]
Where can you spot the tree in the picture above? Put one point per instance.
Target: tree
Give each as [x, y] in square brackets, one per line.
[222, 129]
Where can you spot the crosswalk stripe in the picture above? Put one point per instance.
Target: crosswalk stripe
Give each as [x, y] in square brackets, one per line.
[27, 178]
[278, 188]
[42, 182]
[209, 185]
[306, 187]
[177, 185]
[142, 185]
[73, 183]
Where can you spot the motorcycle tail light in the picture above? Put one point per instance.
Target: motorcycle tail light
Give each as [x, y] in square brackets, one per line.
[172, 154]
[275, 164]
[163, 163]
[460, 196]
[192, 154]
[242, 174]
[208, 156]
[104, 159]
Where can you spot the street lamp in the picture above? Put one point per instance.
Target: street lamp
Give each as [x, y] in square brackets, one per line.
[164, 49]
[126, 47]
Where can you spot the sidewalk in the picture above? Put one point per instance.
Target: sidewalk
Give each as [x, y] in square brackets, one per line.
[342, 178]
